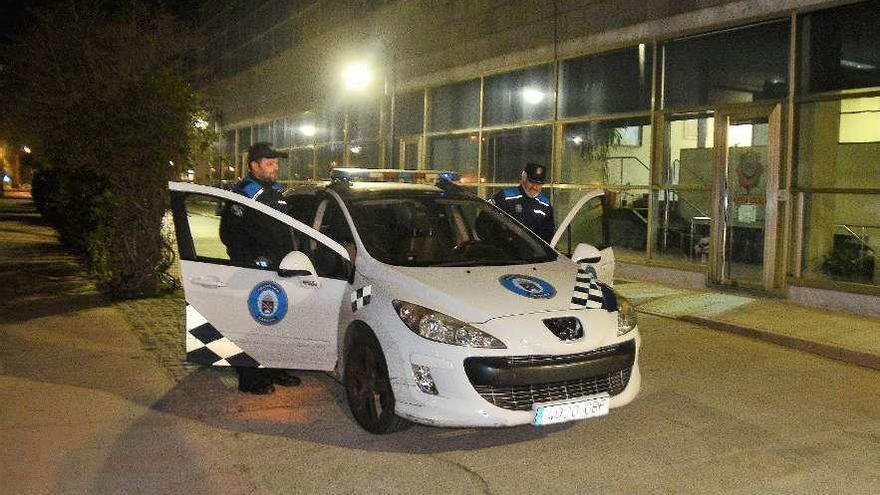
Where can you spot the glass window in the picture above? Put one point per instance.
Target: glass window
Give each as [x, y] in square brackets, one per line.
[589, 224]
[229, 144]
[610, 153]
[519, 96]
[364, 121]
[859, 120]
[264, 132]
[203, 215]
[690, 158]
[842, 47]
[436, 230]
[328, 157]
[363, 154]
[842, 237]
[244, 139]
[300, 164]
[281, 133]
[612, 82]
[329, 126]
[456, 106]
[409, 111]
[505, 153]
[217, 238]
[683, 225]
[683, 209]
[739, 65]
[456, 153]
[619, 219]
[304, 129]
[839, 144]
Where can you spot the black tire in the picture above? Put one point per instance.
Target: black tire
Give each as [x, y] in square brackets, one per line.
[368, 388]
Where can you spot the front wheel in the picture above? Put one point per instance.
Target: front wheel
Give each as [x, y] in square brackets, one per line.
[368, 388]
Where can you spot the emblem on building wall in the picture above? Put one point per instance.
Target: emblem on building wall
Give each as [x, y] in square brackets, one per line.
[749, 170]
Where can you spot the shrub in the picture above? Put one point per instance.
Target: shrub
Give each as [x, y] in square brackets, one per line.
[108, 117]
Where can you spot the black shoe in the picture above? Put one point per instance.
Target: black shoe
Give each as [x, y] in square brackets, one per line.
[255, 381]
[285, 379]
[258, 389]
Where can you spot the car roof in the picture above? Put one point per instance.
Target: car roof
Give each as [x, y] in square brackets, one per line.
[365, 190]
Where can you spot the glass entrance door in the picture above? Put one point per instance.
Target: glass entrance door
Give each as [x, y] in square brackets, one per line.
[747, 150]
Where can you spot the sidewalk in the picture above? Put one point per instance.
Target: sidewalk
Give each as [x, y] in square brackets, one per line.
[834, 334]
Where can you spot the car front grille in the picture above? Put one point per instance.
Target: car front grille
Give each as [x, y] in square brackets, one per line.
[563, 358]
[521, 397]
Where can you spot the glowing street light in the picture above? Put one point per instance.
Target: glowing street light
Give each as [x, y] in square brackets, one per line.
[532, 96]
[357, 76]
[308, 130]
[26, 149]
[200, 124]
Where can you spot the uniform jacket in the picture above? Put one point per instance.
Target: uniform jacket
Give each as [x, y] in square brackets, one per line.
[535, 213]
[252, 238]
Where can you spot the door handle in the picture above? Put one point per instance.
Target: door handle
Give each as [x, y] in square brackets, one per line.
[210, 282]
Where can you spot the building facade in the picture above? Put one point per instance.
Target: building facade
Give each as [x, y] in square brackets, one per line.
[738, 141]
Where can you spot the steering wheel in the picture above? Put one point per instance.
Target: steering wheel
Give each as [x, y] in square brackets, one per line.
[465, 246]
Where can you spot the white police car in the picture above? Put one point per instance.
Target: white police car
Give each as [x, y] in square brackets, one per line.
[428, 303]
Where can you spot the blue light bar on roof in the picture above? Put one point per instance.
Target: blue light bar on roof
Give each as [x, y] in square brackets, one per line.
[393, 175]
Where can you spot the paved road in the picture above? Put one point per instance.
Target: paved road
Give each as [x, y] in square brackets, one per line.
[88, 405]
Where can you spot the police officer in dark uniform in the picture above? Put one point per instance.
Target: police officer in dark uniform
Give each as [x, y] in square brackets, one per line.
[254, 239]
[527, 203]
[251, 238]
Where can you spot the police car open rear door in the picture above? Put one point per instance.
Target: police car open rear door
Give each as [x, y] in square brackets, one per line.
[256, 313]
[590, 201]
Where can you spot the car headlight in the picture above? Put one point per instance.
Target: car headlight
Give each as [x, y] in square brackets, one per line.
[626, 316]
[442, 328]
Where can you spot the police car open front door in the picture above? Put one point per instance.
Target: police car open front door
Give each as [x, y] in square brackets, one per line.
[581, 210]
[242, 310]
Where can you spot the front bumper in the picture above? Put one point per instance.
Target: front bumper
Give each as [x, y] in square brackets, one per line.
[487, 391]
[516, 383]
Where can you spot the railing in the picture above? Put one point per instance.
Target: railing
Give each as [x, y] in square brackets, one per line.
[621, 159]
[863, 238]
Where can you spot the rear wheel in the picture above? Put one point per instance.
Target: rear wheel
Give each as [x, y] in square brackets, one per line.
[368, 388]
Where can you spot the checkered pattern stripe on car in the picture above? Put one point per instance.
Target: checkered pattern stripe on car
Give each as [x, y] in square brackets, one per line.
[206, 345]
[361, 297]
[587, 291]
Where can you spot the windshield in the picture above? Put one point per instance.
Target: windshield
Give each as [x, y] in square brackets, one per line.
[432, 230]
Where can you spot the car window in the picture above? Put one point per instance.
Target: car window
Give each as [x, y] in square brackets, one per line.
[441, 231]
[302, 207]
[232, 233]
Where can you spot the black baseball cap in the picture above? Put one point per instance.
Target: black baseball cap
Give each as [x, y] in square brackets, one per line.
[535, 173]
[263, 149]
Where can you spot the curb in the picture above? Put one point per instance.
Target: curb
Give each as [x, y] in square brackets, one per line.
[825, 350]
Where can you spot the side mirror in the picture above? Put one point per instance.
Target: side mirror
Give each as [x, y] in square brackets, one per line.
[297, 264]
[602, 261]
[585, 253]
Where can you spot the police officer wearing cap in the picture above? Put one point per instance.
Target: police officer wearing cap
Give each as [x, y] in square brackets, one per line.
[527, 203]
[253, 239]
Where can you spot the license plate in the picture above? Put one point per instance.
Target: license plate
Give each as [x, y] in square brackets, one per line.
[549, 413]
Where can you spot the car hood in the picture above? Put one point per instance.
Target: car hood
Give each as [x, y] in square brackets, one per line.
[479, 294]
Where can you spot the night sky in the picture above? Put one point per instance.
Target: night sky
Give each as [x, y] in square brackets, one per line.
[15, 14]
